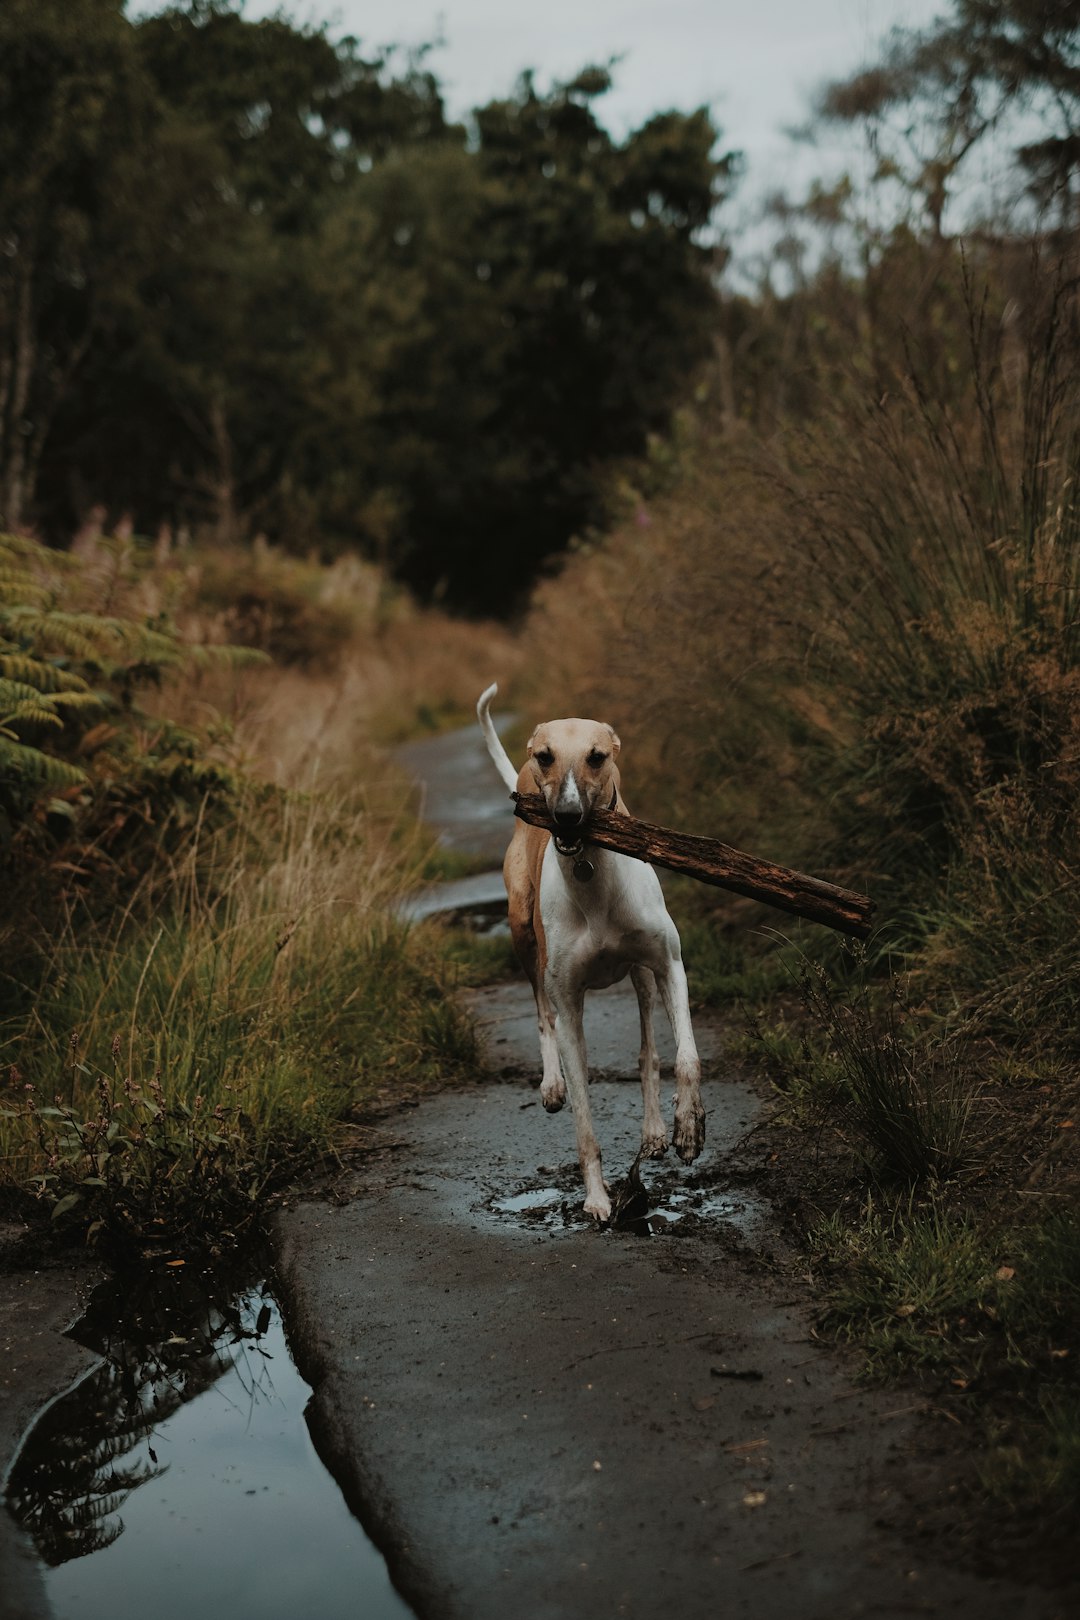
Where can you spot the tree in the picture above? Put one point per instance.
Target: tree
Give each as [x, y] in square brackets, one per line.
[77, 122]
[989, 65]
[593, 286]
[191, 411]
[303, 303]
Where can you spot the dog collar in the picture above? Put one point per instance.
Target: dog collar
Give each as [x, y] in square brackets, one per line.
[583, 868]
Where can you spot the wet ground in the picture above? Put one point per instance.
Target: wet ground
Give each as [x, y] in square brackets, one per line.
[460, 793]
[37, 1362]
[549, 1421]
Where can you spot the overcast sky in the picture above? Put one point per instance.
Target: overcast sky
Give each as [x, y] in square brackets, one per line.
[756, 63]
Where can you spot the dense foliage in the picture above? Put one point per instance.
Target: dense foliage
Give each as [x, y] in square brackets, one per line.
[254, 280]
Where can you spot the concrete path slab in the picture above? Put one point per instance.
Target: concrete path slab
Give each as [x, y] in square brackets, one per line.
[536, 1419]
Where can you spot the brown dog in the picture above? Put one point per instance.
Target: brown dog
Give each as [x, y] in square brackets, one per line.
[580, 922]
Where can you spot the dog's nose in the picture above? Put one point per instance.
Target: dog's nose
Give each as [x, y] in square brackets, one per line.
[568, 819]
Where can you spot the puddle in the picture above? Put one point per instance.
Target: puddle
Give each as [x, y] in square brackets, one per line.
[538, 1198]
[477, 902]
[658, 1208]
[179, 1476]
[709, 1204]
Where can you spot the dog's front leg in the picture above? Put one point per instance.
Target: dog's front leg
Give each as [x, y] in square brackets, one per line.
[552, 1086]
[654, 1141]
[689, 1133]
[568, 999]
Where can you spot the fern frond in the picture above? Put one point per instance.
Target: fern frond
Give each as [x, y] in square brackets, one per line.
[22, 765]
[216, 654]
[17, 586]
[78, 700]
[33, 714]
[92, 638]
[17, 692]
[39, 673]
[76, 634]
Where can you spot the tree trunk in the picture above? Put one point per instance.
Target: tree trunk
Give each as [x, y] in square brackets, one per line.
[12, 468]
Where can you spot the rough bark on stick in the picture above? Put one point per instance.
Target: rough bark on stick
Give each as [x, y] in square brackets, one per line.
[711, 861]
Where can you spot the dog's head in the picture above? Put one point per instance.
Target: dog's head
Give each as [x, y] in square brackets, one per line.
[573, 765]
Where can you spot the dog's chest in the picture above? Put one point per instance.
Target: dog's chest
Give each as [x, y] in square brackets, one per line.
[599, 928]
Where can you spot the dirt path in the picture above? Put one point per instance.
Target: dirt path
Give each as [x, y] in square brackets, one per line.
[542, 1421]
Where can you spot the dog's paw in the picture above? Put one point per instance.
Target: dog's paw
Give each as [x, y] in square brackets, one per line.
[553, 1094]
[654, 1144]
[689, 1133]
[598, 1205]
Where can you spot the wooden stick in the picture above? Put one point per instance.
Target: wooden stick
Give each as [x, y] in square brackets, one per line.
[710, 861]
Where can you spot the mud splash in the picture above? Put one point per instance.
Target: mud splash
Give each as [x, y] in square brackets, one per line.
[654, 1207]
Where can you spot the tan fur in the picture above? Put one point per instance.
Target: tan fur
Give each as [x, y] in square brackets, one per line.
[570, 742]
[576, 931]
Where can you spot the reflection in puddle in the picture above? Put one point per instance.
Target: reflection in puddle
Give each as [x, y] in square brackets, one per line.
[179, 1476]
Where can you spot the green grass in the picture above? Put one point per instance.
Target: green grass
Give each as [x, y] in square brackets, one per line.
[262, 1005]
[902, 1092]
[475, 958]
[438, 864]
[986, 1312]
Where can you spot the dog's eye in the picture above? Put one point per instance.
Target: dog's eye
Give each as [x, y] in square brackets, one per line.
[596, 759]
[544, 758]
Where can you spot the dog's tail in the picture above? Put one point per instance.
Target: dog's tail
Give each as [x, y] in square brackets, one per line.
[491, 737]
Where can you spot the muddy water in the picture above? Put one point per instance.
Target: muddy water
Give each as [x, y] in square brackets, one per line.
[178, 1477]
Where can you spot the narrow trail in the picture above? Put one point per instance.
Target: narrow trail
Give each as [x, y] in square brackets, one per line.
[540, 1420]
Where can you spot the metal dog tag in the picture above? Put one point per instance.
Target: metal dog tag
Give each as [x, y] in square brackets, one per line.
[583, 869]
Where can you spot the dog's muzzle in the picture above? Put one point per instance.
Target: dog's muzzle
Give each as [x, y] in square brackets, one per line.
[572, 847]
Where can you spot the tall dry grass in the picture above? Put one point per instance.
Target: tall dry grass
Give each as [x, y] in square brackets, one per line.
[856, 646]
[357, 665]
[208, 1025]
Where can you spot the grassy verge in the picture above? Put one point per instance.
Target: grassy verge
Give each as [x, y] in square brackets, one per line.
[936, 1196]
[167, 1066]
[983, 1310]
[205, 978]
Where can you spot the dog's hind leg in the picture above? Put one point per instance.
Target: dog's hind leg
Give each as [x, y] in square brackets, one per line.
[654, 1141]
[689, 1133]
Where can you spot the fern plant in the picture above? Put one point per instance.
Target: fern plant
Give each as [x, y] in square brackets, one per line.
[67, 678]
[38, 694]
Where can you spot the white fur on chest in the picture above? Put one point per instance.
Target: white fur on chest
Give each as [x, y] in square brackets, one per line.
[598, 930]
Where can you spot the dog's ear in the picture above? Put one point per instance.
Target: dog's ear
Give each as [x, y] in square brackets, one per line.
[615, 743]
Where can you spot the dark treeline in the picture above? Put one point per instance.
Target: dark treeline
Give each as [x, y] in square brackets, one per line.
[252, 280]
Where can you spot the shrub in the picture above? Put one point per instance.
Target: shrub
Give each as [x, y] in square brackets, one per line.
[902, 1096]
[946, 545]
[296, 612]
